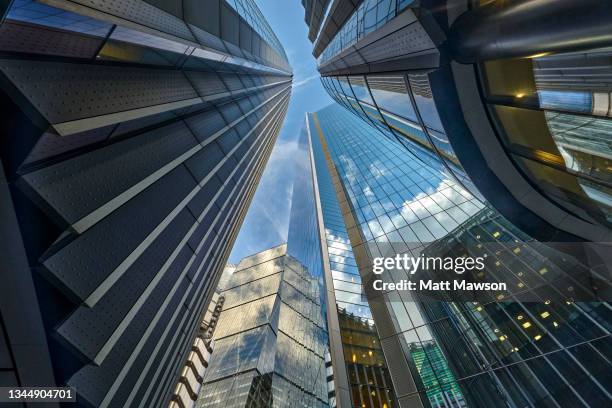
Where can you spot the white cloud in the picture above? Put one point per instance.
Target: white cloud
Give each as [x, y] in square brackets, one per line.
[302, 82]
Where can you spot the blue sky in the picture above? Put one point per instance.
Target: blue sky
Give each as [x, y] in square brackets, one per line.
[267, 219]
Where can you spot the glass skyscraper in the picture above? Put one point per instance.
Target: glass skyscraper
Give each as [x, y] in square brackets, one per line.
[134, 135]
[272, 339]
[365, 380]
[474, 138]
[526, 115]
[500, 352]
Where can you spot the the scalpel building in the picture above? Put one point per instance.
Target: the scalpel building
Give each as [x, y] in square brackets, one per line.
[134, 135]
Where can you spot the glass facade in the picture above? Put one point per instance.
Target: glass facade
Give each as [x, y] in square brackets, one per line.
[368, 17]
[271, 339]
[482, 354]
[366, 368]
[402, 107]
[553, 113]
[547, 111]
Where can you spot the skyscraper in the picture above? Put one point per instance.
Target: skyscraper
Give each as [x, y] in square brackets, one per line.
[272, 339]
[498, 351]
[360, 371]
[522, 116]
[135, 134]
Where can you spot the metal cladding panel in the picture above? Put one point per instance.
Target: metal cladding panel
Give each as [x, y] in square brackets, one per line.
[230, 25]
[205, 124]
[23, 37]
[203, 197]
[174, 7]
[227, 167]
[246, 34]
[121, 180]
[206, 83]
[233, 82]
[174, 356]
[79, 266]
[142, 13]
[208, 37]
[248, 81]
[202, 229]
[228, 141]
[204, 252]
[244, 103]
[94, 382]
[208, 21]
[76, 187]
[230, 111]
[88, 329]
[51, 144]
[135, 125]
[186, 324]
[65, 92]
[410, 39]
[201, 164]
[151, 376]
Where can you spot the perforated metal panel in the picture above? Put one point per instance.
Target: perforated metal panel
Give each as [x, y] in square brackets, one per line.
[93, 382]
[76, 187]
[88, 329]
[51, 144]
[205, 124]
[63, 92]
[21, 37]
[78, 265]
[206, 83]
[205, 160]
[117, 180]
[142, 13]
[409, 39]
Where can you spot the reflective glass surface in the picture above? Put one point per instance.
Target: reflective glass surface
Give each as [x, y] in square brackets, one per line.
[553, 113]
[369, 16]
[271, 338]
[467, 353]
[366, 366]
[402, 108]
[248, 10]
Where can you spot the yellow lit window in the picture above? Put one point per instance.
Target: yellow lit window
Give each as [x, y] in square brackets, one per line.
[544, 315]
[526, 325]
[538, 337]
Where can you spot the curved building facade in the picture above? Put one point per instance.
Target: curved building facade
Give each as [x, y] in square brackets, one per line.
[135, 133]
[538, 343]
[521, 119]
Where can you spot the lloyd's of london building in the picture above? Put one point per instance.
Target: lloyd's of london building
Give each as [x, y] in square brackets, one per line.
[458, 135]
[134, 134]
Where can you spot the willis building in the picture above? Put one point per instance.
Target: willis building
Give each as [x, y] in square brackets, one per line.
[134, 135]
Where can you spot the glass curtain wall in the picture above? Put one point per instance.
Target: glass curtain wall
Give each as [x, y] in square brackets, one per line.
[553, 114]
[368, 374]
[466, 353]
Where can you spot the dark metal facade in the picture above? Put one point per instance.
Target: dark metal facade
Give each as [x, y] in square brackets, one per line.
[134, 136]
